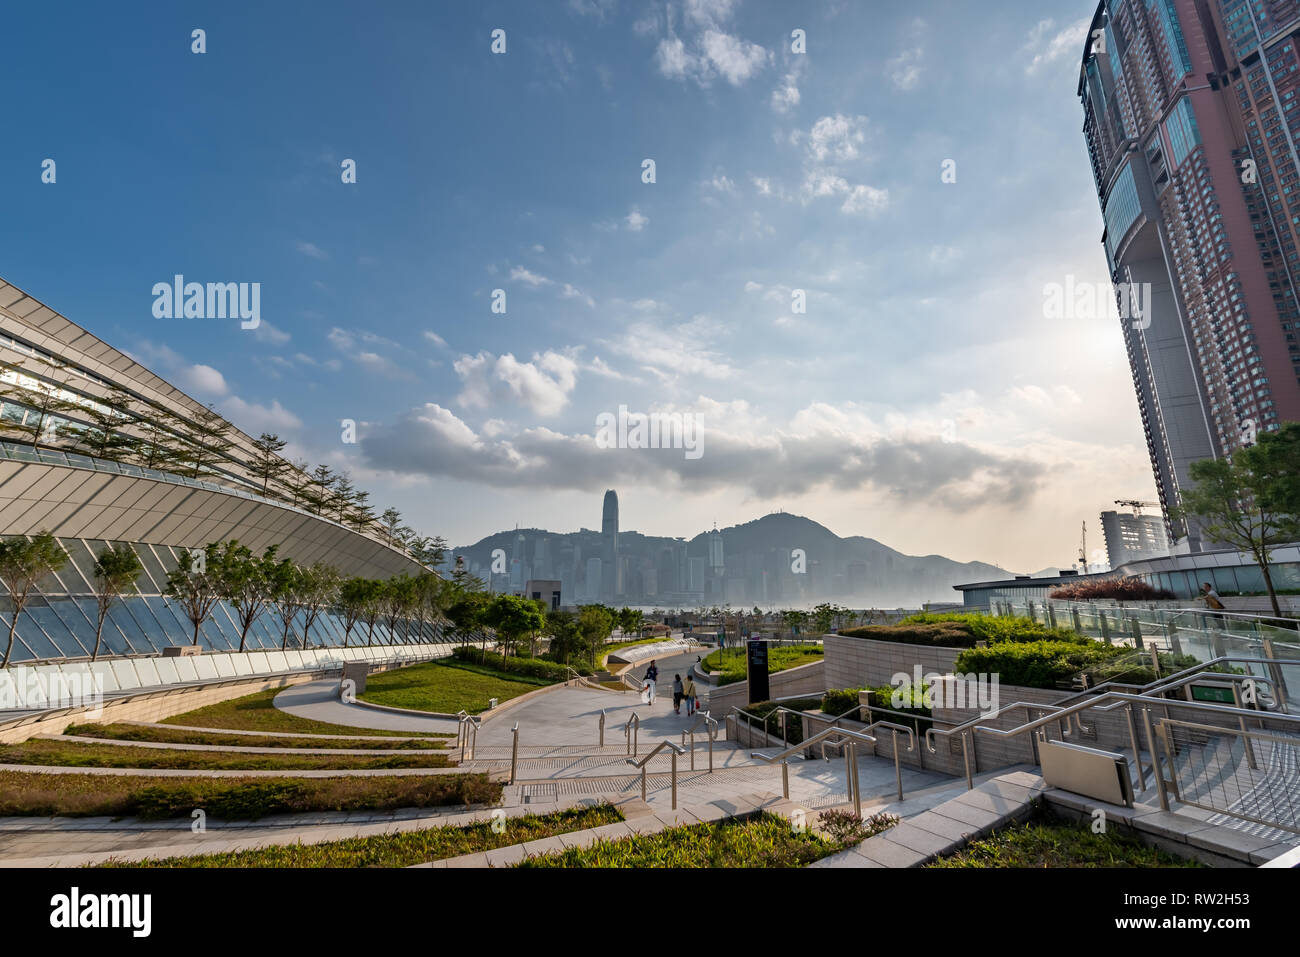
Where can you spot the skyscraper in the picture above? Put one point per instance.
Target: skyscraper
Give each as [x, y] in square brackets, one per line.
[1190, 129]
[609, 583]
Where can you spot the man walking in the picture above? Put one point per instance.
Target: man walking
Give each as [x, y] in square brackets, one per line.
[651, 676]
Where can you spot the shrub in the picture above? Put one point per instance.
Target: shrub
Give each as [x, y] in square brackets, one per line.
[772, 721]
[964, 630]
[848, 827]
[1035, 664]
[528, 667]
[1119, 589]
[839, 700]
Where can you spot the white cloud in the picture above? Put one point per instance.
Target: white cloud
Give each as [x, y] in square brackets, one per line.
[865, 200]
[312, 250]
[786, 96]
[572, 292]
[837, 138]
[635, 220]
[737, 60]
[254, 419]
[436, 339]
[542, 385]
[1045, 46]
[265, 332]
[904, 70]
[520, 274]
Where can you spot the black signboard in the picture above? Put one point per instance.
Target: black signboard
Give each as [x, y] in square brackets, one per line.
[758, 688]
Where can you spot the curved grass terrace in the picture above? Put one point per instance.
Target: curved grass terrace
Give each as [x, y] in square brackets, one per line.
[83, 754]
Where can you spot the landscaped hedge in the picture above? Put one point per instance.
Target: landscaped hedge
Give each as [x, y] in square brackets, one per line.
[839, 700]
[529, 667]
[1035, 664]
[959, 630]
[772, 721]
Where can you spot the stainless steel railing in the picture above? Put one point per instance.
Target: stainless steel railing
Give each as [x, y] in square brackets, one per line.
[850, 755]
[711, 726]
[467, 726]
[630, 732]
[676, 750]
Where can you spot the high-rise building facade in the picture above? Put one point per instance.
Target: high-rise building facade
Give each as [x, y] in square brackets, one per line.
[1131, 537]
[1191, 125]
[610, 583]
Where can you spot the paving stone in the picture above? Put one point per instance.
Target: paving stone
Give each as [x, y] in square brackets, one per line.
[888, 854]
[943, 827]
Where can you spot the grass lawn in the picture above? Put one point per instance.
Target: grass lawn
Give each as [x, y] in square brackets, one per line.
[29, 793]
[447, 687]
[403, 849]
[255, 712]
[132, 732]
[83, 754]
[1050, 843]
[732, 661]
[763, 841]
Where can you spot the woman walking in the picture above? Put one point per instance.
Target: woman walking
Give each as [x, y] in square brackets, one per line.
[651, 676]
[688, 693]
[677, 694]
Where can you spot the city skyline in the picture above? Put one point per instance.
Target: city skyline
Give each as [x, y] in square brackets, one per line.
[959, 419]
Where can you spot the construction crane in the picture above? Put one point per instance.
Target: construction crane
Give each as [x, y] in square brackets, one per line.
[1136, 505]
[1083, 550]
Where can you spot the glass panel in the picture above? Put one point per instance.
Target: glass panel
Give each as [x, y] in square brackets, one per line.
[153, 567]
[132, 638]
[1251, 579]
[58, 632]
[82, 628]
[176, 628]
[80, 571]
[1225, 583]
[1286, 577]
[139, 623]
[30, 642]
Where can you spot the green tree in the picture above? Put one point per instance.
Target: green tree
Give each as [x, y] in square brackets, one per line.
[594, 624]
[23, 563]
[207, 441]
[45, 404]
[513, 618]
[194, 584]
[266, 464]
[287, 595]
[1246, 502]
[103, 437]
[318, 585]
[116, 570]
[247, 582]
[355, 595]
[566, 640]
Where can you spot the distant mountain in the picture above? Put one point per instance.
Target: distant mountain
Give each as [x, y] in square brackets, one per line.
[780, 560]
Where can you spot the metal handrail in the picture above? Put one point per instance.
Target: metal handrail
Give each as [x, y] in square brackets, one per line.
[1118, 699]
[631, 730]
[850, 756]
[467, 726]
[711, 724]
[676, 750]
[514, 752]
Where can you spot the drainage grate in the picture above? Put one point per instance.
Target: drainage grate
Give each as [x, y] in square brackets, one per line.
[538, 793]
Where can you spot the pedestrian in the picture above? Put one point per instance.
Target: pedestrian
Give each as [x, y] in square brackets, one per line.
[1211, 596]
[677, 694]
[688, 693]
[651, 676]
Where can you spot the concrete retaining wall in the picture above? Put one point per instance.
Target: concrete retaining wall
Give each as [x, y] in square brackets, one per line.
[864, 662]
[806, 679]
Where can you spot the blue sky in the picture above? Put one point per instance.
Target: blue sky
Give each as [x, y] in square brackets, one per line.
[923, 398]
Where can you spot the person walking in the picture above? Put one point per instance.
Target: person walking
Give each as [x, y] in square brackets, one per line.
[651, 677]
[1211, 596]
[688, 693]
[677, 694]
